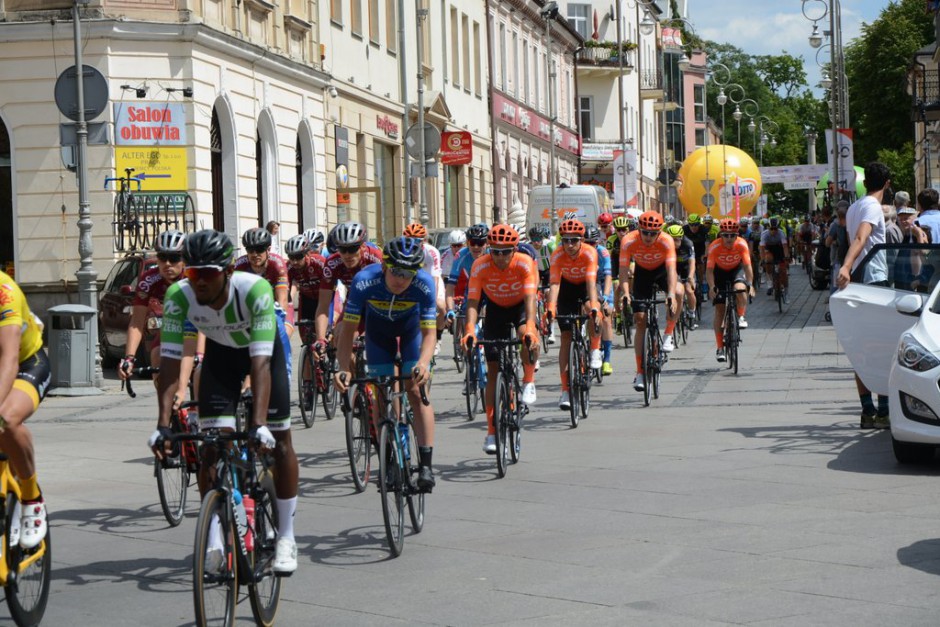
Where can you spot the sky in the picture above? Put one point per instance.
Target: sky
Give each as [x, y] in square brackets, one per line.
[772, 26]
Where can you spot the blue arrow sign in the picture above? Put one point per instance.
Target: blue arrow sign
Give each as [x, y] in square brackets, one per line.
[144, 176]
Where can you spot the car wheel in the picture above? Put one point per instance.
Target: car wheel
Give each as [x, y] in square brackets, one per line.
[910, 453]
[108, 359]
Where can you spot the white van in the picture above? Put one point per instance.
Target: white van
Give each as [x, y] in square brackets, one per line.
[586, 202]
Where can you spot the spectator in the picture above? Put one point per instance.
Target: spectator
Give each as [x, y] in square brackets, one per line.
[838, 242]
[865, 225]
[909, 265]
[901, 199]
[892, 232]
[928, 201]
[273, 227]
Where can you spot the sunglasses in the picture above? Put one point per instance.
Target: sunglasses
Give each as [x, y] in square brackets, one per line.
[402, 273]
[348, 250]
[256, 250]
[570, 240]
[169, 257]
[623, 230]
[203, 273]
[296, 257]
[456, 245]
[477, 242]
[499, 252]
[650, 233]
[729, 235]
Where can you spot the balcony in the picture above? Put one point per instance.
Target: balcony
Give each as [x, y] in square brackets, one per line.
[651, 85]
[925, 95]
[602, 59]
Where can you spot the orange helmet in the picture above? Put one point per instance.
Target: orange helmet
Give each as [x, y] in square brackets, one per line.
[604, 219]
[728, 225]
[503, 235]
[651, 221]
[415, 229]
[572, 226]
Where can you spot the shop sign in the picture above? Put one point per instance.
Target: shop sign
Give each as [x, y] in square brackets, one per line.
[456, 148]
[150, 124]
[386, 125]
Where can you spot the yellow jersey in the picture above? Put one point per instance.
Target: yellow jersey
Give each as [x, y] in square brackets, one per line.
[15, 310]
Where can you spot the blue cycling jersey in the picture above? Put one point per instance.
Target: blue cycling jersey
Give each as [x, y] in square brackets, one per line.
[461, 269]
[529, 249]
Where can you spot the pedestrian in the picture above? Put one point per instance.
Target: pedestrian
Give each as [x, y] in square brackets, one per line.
[838, 242]
[901, 199]
[910, 272]
[865, 226]
[274, 227]
[892, 232]
[928, 202]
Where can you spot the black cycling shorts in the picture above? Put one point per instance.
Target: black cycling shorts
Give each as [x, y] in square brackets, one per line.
[777, 251]
[223, 370]
[33, 377]
[727, 278]
[501, 324]
[645, 283]
[571, 296]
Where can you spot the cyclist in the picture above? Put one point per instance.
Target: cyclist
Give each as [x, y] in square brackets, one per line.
[507, 281]
[305, 274]
[457, 241]
[711, 227]
[544, 245]
[698, 235]
[806, 232]
[605, 223]
[459, 279]
[654, 257]
[685, 269]
[147, 308]
[315, 241]
[235, 311]
[775, 251]
[432, 264]
[394, 303]
[729, 262]
[573, 290]
[621, 229]
[605, 293]
[352, 255]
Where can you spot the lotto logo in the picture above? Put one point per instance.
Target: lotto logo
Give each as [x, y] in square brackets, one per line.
[262, 304]
[172, 308]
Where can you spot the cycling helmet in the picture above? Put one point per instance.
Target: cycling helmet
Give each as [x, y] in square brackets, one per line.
[592, 234]
[296, 245]
[349, 234]
[415, 229]
[535, 234]
[707, 219]
[571, 226]
[675, 231]
[208, 248]
[728, 225]
[604, 219]
[404, 252]
[256, 238]
[632, 222]
[670, 219]
[755, 220]
[478, 231]
[314, 237]
[774, 223]
[170, 242]
[651, 221]
[694, 218]
[503, 235]
[458, 237]
[621, 222]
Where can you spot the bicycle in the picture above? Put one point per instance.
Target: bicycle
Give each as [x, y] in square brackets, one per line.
[126, 215]
[319, 383]
[508, 410]
[579, 371]
[732, 332]
[778, 289]
[242, 502]
[654, 358]
[456, 331]
[624, 323]
[360, 436]
[175, 471]
[474, 380]
[545, 330]
[396, 443]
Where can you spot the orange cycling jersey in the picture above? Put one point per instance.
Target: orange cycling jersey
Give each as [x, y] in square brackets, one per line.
[578, 269]
[729, 258]
[647, 256]
[503, 288]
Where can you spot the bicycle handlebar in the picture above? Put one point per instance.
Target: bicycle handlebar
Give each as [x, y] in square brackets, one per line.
[122, 179]
[422, 390]
[142, 371]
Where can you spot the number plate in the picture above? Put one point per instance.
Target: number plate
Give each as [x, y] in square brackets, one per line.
[154, 323]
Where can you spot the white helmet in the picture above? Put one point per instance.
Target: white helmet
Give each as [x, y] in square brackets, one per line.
[458, 237]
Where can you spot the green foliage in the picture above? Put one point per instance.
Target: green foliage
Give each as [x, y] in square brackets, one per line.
[901, 163]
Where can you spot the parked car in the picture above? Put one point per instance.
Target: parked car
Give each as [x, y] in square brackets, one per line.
[891, 335]
[114, 308]
[440, 238]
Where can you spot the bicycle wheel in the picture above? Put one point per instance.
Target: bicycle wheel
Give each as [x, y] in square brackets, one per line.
[172, 485]
[117, 224]
[215, 585]
[647, 368]
[515, 427]
[574, 382]
[731, 322]
[359, 438]
[415, 499]
[132, 223]
[458, 349]
[391, 487]
[684, 326]
[472, 383]
[584, 392]
[657, 364]
[329, 394]
[778, 295]
[306, 392]
[28, 594]
[502, 414]
[625, 328]
[735, 340]
[265, 592]
[652, 347]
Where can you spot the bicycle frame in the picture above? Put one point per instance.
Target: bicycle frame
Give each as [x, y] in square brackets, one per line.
[9, 485]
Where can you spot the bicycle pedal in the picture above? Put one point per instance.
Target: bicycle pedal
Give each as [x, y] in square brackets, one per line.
[282, 575]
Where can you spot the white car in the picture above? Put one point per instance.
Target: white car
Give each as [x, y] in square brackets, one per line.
[890, 335]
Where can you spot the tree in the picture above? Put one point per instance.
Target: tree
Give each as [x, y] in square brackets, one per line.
[782, 73]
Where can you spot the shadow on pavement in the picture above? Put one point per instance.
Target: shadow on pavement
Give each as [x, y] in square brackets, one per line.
[469, 471]
[144, 520]
[151, 574]
[356, 546]
[924, 555]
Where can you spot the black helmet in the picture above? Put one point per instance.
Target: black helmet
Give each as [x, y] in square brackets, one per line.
[296, 245]
[256, 238]
[535, 233]
[170, 242]
[592, 234]
[404, 252]
[348, 234]
[478, 231]
[774, 223]
[208, 248]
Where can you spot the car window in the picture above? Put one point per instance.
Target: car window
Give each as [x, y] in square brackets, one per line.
[128, 274]
[910, 267]
[112, 277]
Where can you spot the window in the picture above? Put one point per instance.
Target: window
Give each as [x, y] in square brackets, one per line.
[536, 73]
[526, 85]
[355, 16]
[391, 25]
[374, 24]
[579, 18]
[477, 61]
[502, 57]
[454, 47]
[514, 65]
[443, 14]
[699, 137]
[586, 117]
[700, 103]
[465, 45]
[336, 11]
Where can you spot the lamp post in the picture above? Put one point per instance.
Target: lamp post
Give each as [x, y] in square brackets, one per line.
[811, 160]
[767, 129]
[422, 14]
[549, 13]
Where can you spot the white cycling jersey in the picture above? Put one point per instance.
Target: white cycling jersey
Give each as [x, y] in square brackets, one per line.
[432, 260]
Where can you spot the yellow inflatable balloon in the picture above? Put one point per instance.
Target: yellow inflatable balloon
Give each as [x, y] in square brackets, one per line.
[712, 177]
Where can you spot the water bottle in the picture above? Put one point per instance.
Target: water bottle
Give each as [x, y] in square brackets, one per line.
[241, 518]
[403, 436]
[249, 505]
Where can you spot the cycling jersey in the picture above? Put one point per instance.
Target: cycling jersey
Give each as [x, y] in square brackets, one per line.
[528, 249]
[806, 232]
[447, 262]
[647, 256]
[432, 260]
[275, 271]
[699, 239]
[603, 264]
[336, 272]
[613, 247]
[503, 288]
[724, 258]
[460, 272]
[308, 279]
[151, 288]
[14, 310]
[578, 269]
[685, 252]
[773, 238]
[545, 254]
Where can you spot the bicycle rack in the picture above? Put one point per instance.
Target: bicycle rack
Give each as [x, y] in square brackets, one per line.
[136, 224]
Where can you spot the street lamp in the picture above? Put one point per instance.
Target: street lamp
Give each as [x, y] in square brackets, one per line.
[549, 13]
[648, 25]
[815, 39]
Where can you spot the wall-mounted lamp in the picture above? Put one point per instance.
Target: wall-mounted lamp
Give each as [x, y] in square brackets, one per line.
[186, 91]
[140, 92]
[332, 91]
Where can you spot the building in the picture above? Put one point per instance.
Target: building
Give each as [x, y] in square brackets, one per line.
[924, 87]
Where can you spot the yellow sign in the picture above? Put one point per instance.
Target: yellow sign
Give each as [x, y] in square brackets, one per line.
[159, 168]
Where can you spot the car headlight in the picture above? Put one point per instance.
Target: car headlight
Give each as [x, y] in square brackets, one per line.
[913, 356]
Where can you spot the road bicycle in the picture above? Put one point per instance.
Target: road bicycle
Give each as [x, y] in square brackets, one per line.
[545, 330]
[580, 373]
[623, 323]
[315, 380]
[654, 358]
[397, 444]
[241, 503]
[474, 378]
[126, 218]
[360, 436]
[778, 290]
[508, 408]
[456, 332]
[731, 328]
